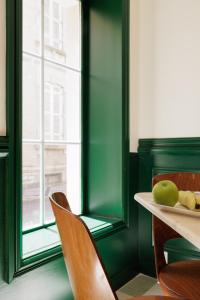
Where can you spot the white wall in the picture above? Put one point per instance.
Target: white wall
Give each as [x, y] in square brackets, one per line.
[165, 69]
[2, 68]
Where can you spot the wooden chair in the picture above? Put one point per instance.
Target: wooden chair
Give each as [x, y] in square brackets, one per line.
[86, 273]
[152, 298]
[178, 279]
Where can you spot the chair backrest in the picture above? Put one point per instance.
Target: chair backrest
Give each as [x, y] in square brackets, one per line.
[185, 181]
[154, 298]
[162, 233]
[86, 272]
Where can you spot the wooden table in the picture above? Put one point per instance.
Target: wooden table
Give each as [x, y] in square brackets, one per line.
[185, 225]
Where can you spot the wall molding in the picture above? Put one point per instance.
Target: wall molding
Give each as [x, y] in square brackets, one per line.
[149, 144]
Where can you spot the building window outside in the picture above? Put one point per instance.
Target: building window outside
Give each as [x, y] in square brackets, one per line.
[54, 111]
[53, 24]
[51, 119]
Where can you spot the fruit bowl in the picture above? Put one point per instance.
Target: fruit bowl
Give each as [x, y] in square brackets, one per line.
[178, 208]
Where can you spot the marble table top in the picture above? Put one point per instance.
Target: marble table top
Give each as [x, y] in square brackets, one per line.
[188, 225]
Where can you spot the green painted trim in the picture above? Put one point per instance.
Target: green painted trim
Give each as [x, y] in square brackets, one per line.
[105, 147]
[109, 231]
[38, 228]
[13, 75]
[18, 134]
[4, 194]
[125, 107]
[35, 261]
[182, 247]
[146, 144]
[54, 252]
[3, 154]
[84, 106]
[98, 227]
[4, 144]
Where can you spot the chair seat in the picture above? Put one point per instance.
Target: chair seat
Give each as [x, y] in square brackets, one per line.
[152, 298]
[181, 279]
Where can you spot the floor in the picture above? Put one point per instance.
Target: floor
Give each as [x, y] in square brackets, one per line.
[139, 285]
[49, 282]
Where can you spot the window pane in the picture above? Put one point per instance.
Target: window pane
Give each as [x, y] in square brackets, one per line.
[63, 87]
[31, 185]
[74, 177]
[31, 97]
[73, 107]
[63, 32]
[63, 174]
[51, 118]
[32, 26]
[55, 30]
[55, 165]
[46, 28]
[56, 9]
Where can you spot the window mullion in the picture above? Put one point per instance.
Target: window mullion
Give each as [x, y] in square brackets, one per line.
[51, 23]
[52, 112]
[42, 175]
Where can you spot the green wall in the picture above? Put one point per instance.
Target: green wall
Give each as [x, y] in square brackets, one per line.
[163, 156]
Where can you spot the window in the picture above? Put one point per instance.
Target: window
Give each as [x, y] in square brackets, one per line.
[54, 111]
[51, 121]
[53, 24]
[51, 160]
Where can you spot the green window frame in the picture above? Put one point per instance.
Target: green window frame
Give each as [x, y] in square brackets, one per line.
[113, 211]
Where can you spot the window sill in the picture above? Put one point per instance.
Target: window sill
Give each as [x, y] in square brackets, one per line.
[39, 241]
[42, 240]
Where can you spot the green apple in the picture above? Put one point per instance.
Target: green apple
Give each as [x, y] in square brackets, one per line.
[165, 192]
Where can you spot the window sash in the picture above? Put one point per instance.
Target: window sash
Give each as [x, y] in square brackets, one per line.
[55, 134]
[52, 21]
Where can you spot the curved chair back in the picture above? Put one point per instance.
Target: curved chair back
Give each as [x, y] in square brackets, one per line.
[86, 273]
[185, 181]
[185, 284]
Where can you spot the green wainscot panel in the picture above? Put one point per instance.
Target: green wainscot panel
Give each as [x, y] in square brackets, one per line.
[105, 189]
[2, 214]
[181, 249]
